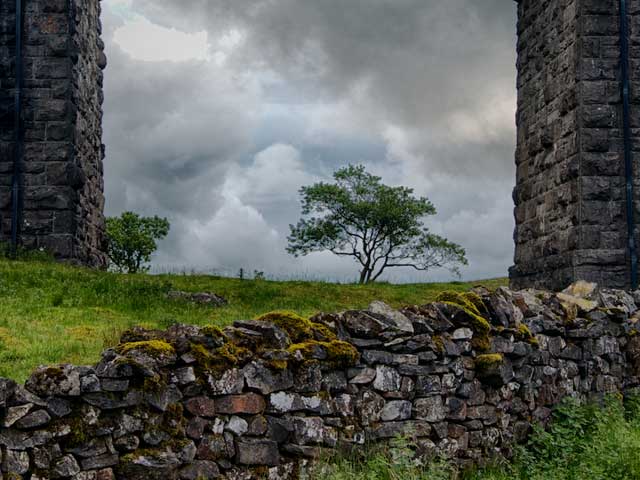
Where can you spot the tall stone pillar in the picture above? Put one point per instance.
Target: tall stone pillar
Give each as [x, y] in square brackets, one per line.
[61, 182]
[570, 197]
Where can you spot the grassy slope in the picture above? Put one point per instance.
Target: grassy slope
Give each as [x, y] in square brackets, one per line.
[51, 313]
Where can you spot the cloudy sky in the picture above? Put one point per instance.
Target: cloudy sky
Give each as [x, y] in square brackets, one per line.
[217, 111]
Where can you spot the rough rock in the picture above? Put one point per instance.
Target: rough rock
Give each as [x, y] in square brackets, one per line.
[258, 376]
[200, 298]
[400, 321]
[258, 452]
[396, 410]
[249, 403]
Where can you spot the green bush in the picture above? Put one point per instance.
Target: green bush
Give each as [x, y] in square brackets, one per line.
[132, 239]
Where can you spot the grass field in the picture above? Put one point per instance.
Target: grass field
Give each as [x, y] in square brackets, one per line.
[52, 313]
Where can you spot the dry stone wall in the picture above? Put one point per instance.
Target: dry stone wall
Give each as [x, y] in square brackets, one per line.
[465, 377]
[62, 198]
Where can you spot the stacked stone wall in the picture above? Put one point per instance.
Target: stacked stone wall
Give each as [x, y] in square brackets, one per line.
[62, 189]
[570, 195]
[464, 377]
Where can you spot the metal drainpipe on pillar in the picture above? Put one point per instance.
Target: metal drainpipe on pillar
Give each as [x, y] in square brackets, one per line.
[16, 193]
[628, 158]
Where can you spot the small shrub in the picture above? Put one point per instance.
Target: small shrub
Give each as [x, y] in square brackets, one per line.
[131, 240]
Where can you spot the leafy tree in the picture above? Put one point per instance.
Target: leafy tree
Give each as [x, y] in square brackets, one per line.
[379, 226]
[132, 239]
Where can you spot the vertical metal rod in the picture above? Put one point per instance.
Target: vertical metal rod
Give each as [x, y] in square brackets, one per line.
[628, 158]
[17, 163]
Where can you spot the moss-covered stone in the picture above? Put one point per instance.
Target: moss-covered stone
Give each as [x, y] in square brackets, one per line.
[467, 300]
[153, 348]
[173, 421]
[338, 353]
[79, 431]
[233, 354]
[212, 331]
[468, 316]
[219, 360]
[53, 372]
[277, 364]
[154, 384]
[477, 301]
[149, 464]
[298, 328]
[523, 334]
[488, 362]
[439, 343]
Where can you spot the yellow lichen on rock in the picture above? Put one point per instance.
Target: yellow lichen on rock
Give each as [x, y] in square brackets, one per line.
[153, 348]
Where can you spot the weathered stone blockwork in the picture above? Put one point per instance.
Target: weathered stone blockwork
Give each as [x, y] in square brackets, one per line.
[570, 195]
[465, 377]
[62, 175]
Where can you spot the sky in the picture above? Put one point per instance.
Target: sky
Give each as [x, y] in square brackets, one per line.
[217, 111]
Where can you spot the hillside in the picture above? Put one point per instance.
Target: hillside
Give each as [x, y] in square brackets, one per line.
[52, 313]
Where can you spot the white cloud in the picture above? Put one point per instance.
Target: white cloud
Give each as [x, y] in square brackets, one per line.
[275, 176]
[144, 40]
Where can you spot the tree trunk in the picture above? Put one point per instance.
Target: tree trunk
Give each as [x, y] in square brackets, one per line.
[365, 274]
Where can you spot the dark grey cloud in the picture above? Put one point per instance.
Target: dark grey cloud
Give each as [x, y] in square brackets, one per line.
[422, 91]
[411, 63]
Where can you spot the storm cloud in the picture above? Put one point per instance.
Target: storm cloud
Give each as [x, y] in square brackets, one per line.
[217, 111]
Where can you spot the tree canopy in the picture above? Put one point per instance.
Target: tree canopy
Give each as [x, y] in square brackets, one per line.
[378, 225]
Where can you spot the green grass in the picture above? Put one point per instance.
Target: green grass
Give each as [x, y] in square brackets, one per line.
[52, 313]
[588, 442]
